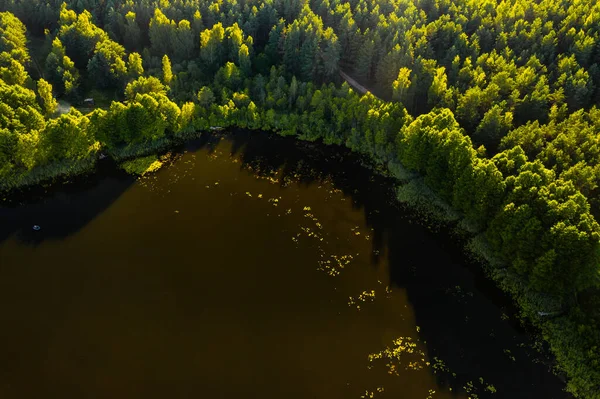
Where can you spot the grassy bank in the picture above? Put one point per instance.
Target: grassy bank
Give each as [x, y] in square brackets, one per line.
[143, 165]
[140, 150]
[46, 174]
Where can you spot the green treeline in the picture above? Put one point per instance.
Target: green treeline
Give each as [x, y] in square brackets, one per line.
[492, 102]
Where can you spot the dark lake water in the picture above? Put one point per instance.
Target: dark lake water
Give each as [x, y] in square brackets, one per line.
[251, 267]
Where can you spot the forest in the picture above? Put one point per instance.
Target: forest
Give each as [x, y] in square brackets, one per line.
[492, 102]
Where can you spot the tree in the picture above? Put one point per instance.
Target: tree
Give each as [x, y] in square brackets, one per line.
[468, 108]
[186, 118]
[12, 71]
[79, 36]
[401, 86]
[162, 32]
[19, 109]
[197, 27]
[293, 92]
[133, 34]
[228, 76]
[167, 74]
[60, 70]
[146, 118]
[309, 51]
[184, 45]
[575, 81]
[47, 100]
[438, 91]
[134, 65]
[364, 64]
[330, 51]
[495, 124]
[206, 97]
[211, 46]
[107, 67]
[14, 41]
[143, 85]
[66, 137]
[244, 60]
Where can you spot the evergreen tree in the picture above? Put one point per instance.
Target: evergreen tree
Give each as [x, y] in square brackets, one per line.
[167, 74]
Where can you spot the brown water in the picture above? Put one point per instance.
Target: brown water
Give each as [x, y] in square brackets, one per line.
[252, 267]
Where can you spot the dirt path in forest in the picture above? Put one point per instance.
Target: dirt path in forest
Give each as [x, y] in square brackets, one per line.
[357, 86]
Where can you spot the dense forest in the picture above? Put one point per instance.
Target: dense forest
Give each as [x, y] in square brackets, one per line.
[492, 102]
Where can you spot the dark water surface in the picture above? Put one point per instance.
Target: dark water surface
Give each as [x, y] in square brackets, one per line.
[252, 267]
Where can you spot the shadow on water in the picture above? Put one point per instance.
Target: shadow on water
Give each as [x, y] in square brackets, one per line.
[463, 317]
[63, 209]
[458, 310]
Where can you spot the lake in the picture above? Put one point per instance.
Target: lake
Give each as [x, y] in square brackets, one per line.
[252, 266]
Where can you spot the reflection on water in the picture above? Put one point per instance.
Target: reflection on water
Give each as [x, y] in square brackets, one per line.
[249, 267]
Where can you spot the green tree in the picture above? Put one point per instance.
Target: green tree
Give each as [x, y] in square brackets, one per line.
[79, 36]
[135, 66]
[211, 46]
[167, 74]
[401, 86]
[244, 60]
[163, 33]
[145, 85]
[495, 124]
[575, 81]
[14, 41]
[132, 36]
[66, 137]
[107, 67]
[12, 71]
[60, 70]
[206, 97]
[47, 100]
[184, 43]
